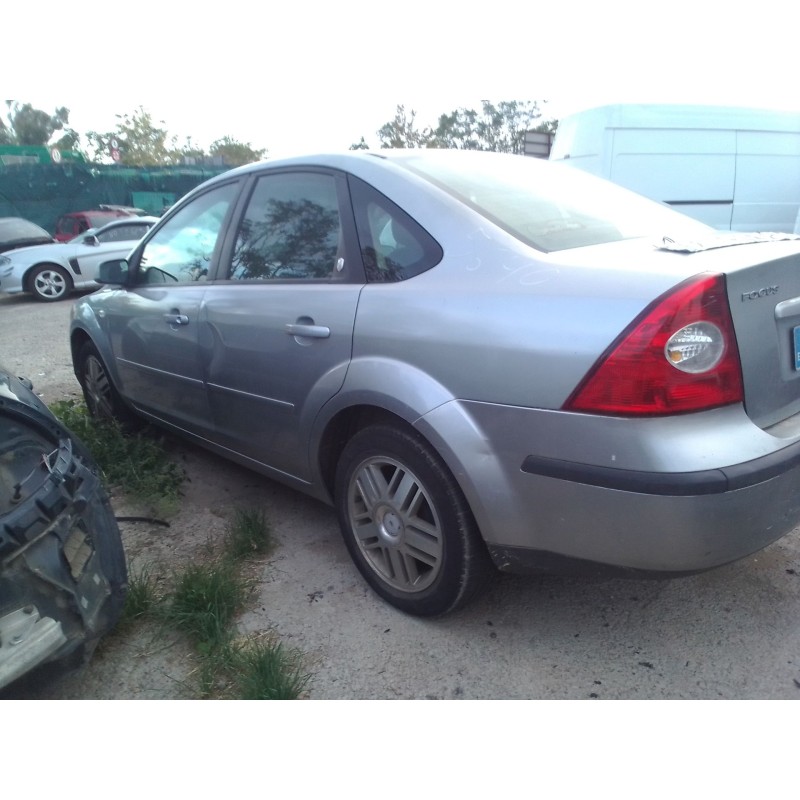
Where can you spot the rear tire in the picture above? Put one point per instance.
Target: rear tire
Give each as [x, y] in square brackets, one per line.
[49, 282]
[406, 523]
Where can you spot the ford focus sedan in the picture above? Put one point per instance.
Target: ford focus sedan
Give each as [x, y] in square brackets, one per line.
[480, 360]
[51, 271]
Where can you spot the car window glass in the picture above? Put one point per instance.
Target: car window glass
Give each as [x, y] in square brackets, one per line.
[550, 207]
[181, 250]
[291, 229]
[393, 246]
[123, 233]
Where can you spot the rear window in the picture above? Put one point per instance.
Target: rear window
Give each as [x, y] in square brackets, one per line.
[548, 206]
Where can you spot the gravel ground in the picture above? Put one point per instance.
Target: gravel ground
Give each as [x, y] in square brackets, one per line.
[730, 633]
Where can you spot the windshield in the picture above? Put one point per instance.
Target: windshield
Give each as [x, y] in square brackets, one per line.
[14, 229]
[548, 206]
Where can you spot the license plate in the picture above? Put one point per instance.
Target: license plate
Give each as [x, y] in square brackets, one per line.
[796, 333]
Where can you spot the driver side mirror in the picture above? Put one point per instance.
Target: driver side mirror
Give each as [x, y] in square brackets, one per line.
[115, 271]
[92, 241]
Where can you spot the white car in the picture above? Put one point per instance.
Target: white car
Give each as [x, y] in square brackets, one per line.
[51, 271]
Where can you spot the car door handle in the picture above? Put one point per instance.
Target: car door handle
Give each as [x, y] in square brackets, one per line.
[311, 331]
[176, 319]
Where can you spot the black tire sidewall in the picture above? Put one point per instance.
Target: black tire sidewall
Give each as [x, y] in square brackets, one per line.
[457, 525]
[120, 411]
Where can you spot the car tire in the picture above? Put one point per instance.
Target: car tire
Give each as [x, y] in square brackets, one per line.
[101, 396]
[406, 523]
[49, 282]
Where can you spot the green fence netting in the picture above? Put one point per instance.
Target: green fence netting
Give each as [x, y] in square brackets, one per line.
[42, 192]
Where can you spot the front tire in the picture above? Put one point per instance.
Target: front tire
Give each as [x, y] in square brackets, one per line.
[406, 523]
[49, 282]
[101, 396]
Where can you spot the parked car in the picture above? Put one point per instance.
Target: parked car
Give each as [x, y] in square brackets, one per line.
[476, 358]
[62, 568]
[17, 232]
[51, 272]
[70, 225]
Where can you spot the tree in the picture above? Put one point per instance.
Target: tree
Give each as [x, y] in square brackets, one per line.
[360, 145]
[141, 142]
[235, 153]
[402, 131]
[191, 150]
[499, 127]
[31, 126]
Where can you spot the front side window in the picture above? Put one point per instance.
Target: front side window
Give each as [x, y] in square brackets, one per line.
[182, 249]
[123, 233]
[290, 231]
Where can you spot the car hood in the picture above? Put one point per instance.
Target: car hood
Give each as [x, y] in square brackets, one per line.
[24, 244]
[50, 250]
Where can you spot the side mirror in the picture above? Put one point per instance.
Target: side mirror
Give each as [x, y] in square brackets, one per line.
[115, 271]
[92, 240]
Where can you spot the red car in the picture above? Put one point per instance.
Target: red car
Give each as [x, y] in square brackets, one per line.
[70, 225]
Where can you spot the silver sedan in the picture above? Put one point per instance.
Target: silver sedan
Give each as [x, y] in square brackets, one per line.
[481, 360]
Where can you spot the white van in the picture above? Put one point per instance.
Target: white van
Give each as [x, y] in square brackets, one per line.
[732, 168]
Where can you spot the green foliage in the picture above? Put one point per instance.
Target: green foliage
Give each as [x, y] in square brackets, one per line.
[402, 131]
[27, 125]
[235, 153]
[205, 601]
[360, 145]
[142, 143]
[496, 126]
[249, 535]
[500, 128]
[137, 462]
[142, 597]
[265, 670]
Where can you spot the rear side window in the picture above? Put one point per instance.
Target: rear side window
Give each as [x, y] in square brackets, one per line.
[124, 233]
[290, 231]
[393, 246]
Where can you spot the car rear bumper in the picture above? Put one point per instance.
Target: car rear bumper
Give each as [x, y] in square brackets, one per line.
[656, 496]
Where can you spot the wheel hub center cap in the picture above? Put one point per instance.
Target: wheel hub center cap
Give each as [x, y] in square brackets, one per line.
[390, 525]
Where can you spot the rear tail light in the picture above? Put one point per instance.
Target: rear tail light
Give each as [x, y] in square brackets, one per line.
[678, 355]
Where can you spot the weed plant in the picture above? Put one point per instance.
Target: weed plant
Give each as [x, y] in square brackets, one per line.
[142, 597]
[205, 601]
[206, 596]
[136, 462]
[265, 670]
[248, 536]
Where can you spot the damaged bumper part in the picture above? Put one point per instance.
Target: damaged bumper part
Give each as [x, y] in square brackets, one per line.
[62, 567]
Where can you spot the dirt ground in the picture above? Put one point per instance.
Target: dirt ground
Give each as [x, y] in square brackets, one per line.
[730, 633]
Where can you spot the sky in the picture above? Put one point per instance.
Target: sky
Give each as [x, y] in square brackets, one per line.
[317, 76]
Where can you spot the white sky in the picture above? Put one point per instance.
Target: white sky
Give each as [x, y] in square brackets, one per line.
[319, 75]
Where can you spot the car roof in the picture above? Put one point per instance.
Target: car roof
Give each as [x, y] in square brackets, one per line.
[116, 222]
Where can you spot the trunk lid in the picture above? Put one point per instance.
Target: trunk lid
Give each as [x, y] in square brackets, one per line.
[763, 280]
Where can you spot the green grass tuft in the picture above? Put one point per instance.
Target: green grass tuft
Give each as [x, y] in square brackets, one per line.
[142, 597]
[249, 535]
[205, 601]
[267, 671]
[136, 462]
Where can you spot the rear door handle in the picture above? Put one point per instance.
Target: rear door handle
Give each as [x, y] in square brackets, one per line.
[310, 331]
[174, 318]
